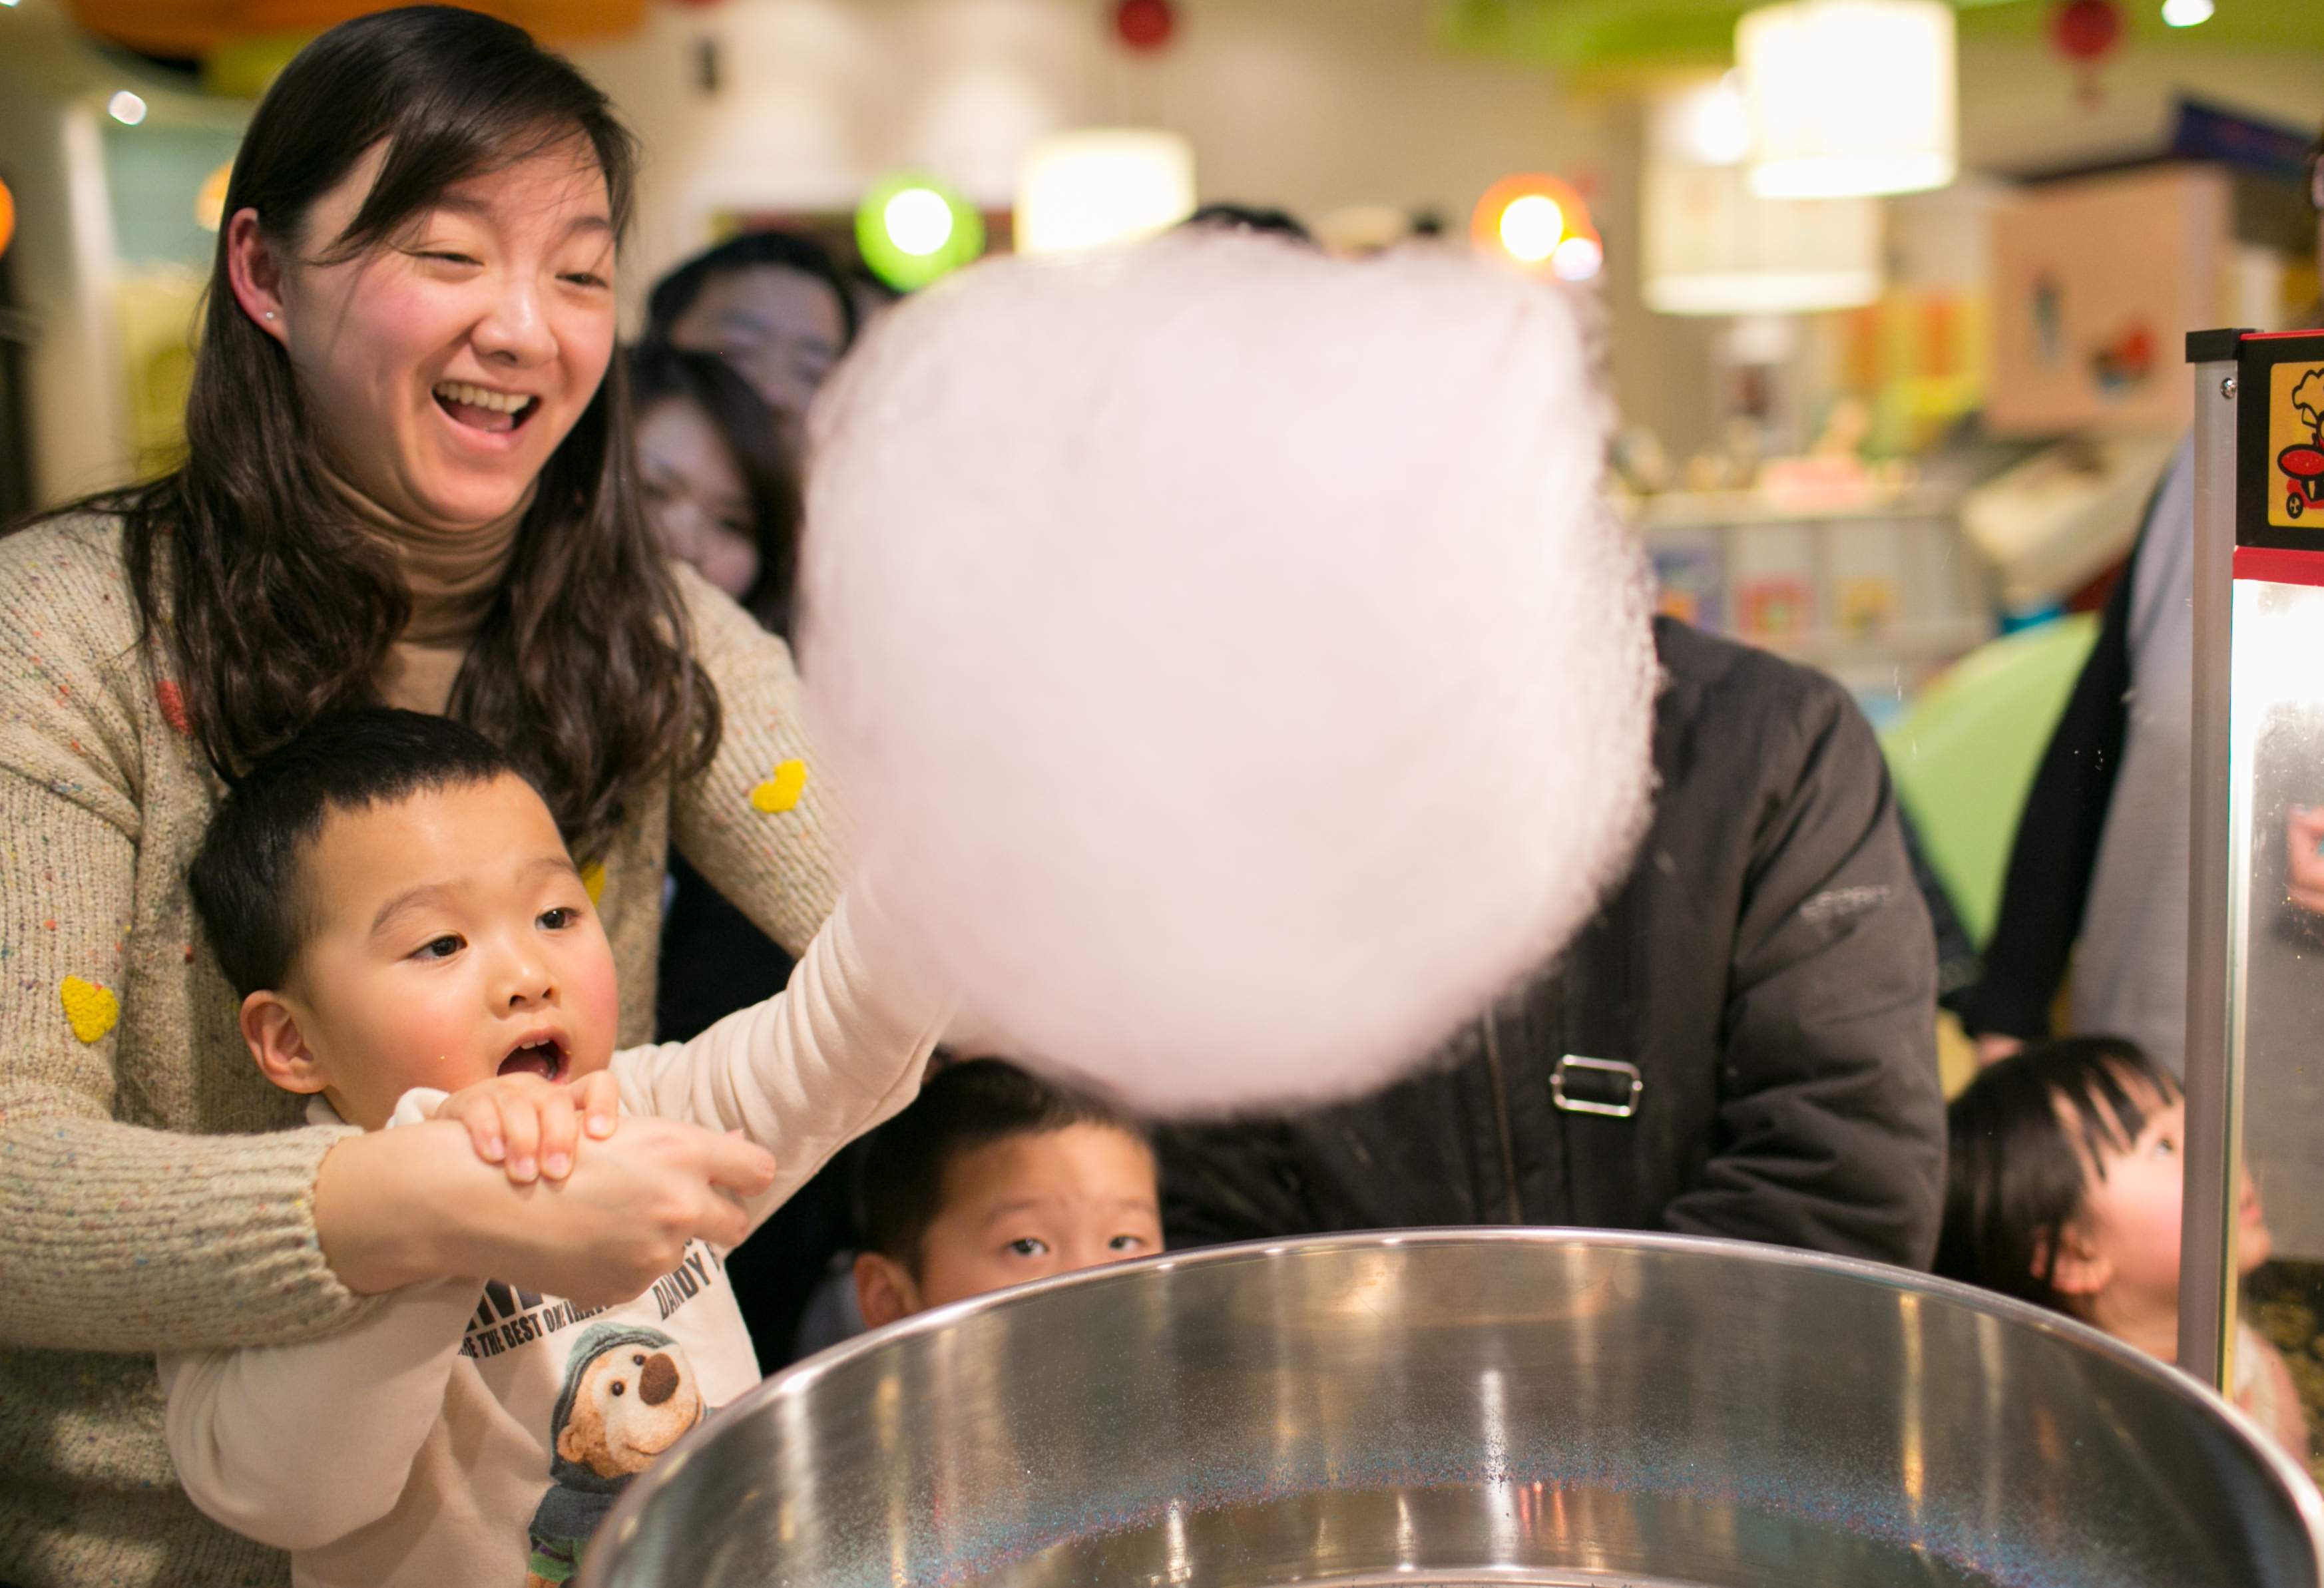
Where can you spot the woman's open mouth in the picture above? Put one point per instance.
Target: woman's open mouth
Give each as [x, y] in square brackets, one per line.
[495, 413]
[545, 1059]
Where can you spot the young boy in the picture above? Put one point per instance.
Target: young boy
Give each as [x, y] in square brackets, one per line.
[993, 1179]
[411, 941]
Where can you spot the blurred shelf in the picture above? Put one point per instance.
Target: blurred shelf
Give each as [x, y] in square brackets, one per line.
[1726, 510]
[1900, 642]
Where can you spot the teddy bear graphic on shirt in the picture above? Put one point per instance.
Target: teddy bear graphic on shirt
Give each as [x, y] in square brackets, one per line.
[630, 1394]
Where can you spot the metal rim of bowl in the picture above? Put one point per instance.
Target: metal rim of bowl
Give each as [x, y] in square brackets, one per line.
[622, 1522]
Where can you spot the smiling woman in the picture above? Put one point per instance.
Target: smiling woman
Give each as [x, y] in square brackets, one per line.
[408, 482]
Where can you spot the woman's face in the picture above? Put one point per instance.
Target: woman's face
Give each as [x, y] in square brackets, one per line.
[695, 498]
[444, 366]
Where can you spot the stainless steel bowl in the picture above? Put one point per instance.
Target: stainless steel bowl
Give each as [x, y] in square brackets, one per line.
[1475, 1407]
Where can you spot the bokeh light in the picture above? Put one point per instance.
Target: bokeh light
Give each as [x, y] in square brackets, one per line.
[912, 229]
[1540, 222]
[1532, 227]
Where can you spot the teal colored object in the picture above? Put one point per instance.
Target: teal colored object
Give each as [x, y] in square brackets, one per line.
[1966, 753]
[912, 229]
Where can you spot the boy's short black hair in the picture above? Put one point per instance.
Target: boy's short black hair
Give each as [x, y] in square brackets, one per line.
[246, 879]
[2023, 1139]
[900, 1189]
[675, 293]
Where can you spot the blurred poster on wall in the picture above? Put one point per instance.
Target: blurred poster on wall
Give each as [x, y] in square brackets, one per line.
[2095, 283]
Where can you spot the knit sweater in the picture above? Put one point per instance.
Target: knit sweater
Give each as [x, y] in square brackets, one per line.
[155, 1191]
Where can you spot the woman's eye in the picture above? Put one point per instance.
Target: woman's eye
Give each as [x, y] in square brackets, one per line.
[558, 919]
[442, 948]
[1126, 1242]
[1029, 1246]
[2167, 1146]
[445, 256]
[589, 278]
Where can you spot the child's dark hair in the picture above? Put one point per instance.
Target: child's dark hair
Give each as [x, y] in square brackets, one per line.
[2024, 1138]
[246, 880]
[900, 1174]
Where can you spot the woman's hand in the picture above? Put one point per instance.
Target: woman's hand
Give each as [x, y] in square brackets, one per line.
[530, 1125]
[397, 1208]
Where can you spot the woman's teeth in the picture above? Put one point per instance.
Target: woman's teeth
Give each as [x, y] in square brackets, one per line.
[497, 412]
[467, 396]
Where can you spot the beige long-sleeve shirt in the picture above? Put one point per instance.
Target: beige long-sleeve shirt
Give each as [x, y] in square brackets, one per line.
[155, 1191]
[466, 1433]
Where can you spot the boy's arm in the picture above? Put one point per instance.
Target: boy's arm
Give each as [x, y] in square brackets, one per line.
[806, 1072]
[299, 1446]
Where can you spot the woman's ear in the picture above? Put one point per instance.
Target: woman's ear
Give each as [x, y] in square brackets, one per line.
[884, 1292]
[271, 1027]
[254, 271]
[2082, 1268]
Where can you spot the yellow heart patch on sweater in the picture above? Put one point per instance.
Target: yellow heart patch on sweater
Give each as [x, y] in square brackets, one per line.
[92, 1009]
[781, 792]
[593, 880]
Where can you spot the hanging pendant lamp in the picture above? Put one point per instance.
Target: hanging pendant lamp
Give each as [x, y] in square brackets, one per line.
[1850, 98]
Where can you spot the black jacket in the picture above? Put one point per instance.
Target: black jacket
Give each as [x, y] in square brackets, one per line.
[1767, 968]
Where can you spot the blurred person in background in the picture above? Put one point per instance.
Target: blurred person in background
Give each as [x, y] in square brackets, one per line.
[720, 492]
[2097, 874]
[773, 305]
[718, 484]
[1742, 1043]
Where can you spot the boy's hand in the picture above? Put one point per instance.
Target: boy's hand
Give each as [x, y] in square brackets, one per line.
[532, 1125]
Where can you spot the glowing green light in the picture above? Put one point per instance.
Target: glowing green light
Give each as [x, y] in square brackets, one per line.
[911, 228]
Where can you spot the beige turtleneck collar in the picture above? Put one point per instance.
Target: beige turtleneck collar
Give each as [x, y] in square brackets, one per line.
[452, 575]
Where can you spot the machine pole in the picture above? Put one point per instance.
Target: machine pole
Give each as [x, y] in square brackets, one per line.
[2207, 1296]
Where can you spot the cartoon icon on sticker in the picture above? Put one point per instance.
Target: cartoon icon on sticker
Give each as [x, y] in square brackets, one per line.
[2295, 433]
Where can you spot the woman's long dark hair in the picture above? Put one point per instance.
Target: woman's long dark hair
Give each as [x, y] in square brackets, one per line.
[747, 426]
[274, 603]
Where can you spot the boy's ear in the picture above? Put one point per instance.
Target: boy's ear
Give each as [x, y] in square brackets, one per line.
[271, 1027]
[884, 1292]
[2081, 1269]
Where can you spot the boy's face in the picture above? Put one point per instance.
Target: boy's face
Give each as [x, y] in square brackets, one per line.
[452, 940]
[1024, 1209]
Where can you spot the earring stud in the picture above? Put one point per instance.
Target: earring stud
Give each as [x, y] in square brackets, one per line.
[270, 313]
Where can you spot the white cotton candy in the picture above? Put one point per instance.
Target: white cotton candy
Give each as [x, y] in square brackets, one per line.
[1234, 674]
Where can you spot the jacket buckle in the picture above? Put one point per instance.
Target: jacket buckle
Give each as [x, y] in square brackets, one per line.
[1619, 1095]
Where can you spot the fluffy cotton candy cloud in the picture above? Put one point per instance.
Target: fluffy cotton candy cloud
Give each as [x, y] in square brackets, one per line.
[1235, 674]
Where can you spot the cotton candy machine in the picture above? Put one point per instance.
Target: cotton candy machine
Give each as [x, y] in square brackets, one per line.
[1475, 1408]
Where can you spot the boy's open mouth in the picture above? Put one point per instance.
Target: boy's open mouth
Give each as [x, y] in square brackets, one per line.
[545, 1059]
[481, 408]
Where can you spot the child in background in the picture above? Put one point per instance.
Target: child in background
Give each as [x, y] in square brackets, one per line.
[414, 943]
[2064, 1186]
[993, 1179]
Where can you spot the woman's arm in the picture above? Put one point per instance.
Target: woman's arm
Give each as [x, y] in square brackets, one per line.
[401, 1207]
[141, 1238]
[757, 822]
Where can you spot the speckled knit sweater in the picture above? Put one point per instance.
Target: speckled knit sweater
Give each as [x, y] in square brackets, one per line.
[154, 1190]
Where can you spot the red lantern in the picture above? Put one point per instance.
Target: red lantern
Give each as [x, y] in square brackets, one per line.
[2086, 30]
[1145, 26]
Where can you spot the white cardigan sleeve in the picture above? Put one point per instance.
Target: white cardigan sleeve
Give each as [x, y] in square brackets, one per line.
[803, 1073]
[299, 1446]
